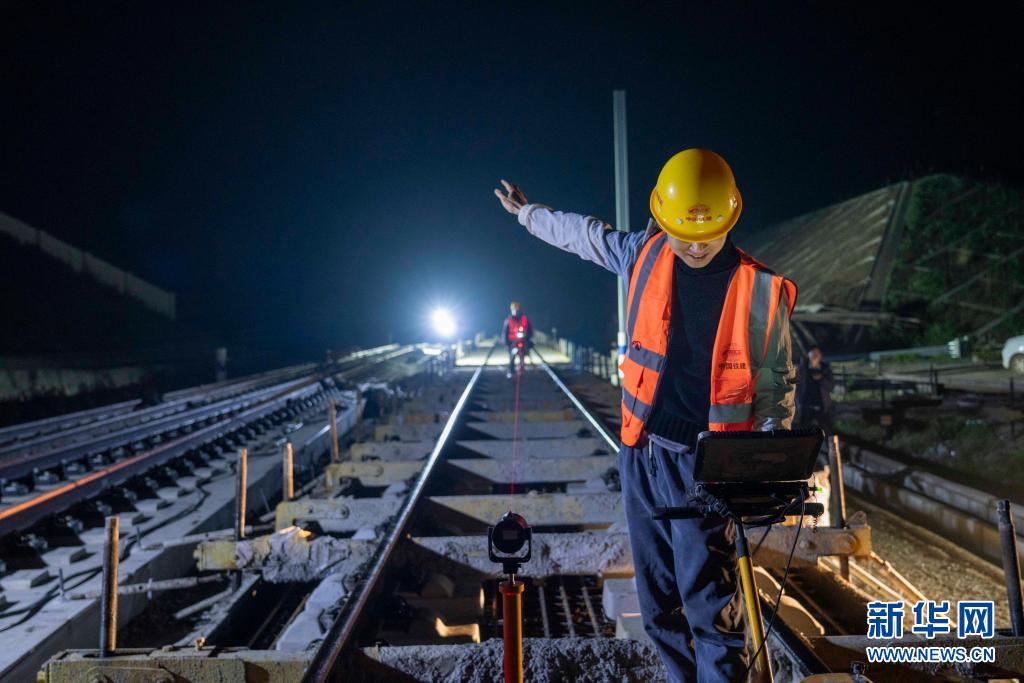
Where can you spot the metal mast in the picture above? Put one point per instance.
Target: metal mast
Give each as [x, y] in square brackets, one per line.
[621, 200]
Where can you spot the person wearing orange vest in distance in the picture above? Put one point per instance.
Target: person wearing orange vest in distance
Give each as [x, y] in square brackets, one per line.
[516, 329]
[708, 348]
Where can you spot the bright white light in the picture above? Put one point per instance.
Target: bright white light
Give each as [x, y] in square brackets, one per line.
[444, 322]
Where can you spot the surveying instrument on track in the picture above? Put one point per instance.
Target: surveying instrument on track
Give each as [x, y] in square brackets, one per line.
[754, 479]
[510, 544]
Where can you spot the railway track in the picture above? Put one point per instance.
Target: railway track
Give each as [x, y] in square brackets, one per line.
[377, 568]
[47, 475]
[165, 478]
[24, 442]
[933, 497]
[429, 605]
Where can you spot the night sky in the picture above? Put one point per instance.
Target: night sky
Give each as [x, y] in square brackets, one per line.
[316, 176]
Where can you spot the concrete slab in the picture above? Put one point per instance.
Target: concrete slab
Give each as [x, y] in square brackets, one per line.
[410, 432]
[471, 357]
[299, 634]
[538, 448]
[59, 625]
[508, 403]
[507, 393]
[440, 403]
[329, 593]
[587, 553]
[219, 466]
[793, 614]
[286, 556]
[374, 473]
[64, 556]
[814, 543]
[396, 489]
[169, 493]
[337, 514]
[593, 485]
[536, 470]
[25, 579]
[593, 510]
[524, 415]
[392, 450]
[411, 417]
[203, 474]
[546, 660]
[176, 664]
[533, 430]
[426, 626]
[187, 483]
[438, 586]
[94, 537]
[307, 626]
[630, 626]
[151, 506]
[459, 609]
[619, 596]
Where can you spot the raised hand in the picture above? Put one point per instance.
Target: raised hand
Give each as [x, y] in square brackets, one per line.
[513, 199]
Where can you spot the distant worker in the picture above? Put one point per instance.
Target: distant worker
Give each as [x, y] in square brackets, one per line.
[814, 383]
[518, 335]
[708, 348]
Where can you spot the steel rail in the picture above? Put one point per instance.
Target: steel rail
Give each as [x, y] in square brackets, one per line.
[168, 419]
[105, 419]
[26, 513]
[23, 515]
[25, 465]
[233, 384]
[341, 631]
[612, 442]
[81, 433]
[58, 423]
[161, 413]
[22, 437]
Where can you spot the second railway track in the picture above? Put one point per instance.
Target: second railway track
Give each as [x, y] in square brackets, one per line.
[175, 482]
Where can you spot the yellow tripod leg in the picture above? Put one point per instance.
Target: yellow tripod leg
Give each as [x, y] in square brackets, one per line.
[762, 670]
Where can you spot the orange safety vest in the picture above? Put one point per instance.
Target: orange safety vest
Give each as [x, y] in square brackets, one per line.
[750, 307]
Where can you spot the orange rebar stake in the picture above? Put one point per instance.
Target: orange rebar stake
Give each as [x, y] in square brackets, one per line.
[512, 617]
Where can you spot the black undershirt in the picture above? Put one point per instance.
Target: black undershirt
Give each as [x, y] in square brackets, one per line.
[681, 406]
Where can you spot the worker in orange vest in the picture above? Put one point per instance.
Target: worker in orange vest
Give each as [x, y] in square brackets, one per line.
[518, 335]
[708, 348]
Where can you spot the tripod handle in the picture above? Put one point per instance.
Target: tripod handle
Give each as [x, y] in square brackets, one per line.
[813, 509]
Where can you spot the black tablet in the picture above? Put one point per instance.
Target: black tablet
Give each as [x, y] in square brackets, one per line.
[755, 457]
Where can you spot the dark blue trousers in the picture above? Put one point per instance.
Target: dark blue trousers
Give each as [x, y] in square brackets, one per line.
[685, 570]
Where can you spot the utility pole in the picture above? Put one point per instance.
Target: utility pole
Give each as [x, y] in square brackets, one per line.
[621, 200]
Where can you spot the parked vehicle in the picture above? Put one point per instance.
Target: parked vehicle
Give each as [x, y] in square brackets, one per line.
[1013, 354]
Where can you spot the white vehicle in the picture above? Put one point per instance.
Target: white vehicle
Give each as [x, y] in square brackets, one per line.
[1013, 354]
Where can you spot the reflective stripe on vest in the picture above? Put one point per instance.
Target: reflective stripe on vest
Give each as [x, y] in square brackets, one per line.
[743, 333]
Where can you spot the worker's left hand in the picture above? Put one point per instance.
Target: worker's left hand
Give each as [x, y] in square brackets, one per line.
[513, 200]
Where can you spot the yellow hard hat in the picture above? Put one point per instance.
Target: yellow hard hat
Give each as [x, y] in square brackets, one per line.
[696, 198]
[515, 305]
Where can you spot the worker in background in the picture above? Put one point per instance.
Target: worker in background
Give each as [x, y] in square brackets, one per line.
[518, 335]
[814, 383]
[708, 348]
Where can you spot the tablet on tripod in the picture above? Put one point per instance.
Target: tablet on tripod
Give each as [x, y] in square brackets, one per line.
[776, 456]
[756, 473]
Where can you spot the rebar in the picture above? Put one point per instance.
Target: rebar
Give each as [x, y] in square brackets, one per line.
[108, 604]
[241, 487]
